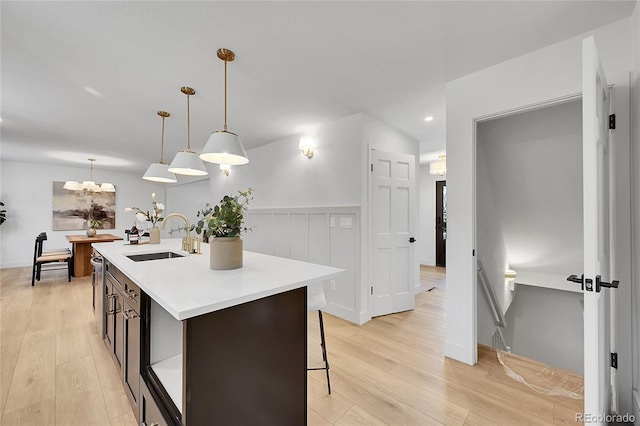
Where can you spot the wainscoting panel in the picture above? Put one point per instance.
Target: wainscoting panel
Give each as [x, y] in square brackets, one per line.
[323, 235]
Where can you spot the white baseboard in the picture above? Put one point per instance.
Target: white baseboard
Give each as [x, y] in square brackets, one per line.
[460, 353]
[341, 312]
[16, 264]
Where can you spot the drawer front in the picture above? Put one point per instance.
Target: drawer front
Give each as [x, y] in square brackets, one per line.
[150, 414]
[133, 294]
[116, 276]
[128, 288]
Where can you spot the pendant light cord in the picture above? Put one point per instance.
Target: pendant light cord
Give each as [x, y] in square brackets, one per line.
[225, 95]
[188, 125]
[162, 144]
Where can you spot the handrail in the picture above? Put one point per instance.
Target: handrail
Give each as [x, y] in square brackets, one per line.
[492, 299]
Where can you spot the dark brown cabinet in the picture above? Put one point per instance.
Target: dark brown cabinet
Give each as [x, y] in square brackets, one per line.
[150, 414]
[122, 329]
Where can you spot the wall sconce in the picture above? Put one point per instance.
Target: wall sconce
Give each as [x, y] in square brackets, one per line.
[438, 167]
[225, 169]
[306, 146]
[509, 277]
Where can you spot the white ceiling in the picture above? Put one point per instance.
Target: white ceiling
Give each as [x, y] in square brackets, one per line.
[297, 64]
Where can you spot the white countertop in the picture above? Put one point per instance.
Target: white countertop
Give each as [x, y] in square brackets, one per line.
[186, 287]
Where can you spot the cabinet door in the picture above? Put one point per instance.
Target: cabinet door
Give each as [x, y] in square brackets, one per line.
[131, 370]
[150, 414]
[118, 345]
[109, 317]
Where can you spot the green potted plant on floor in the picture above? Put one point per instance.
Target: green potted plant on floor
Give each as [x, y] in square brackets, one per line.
[224, 225]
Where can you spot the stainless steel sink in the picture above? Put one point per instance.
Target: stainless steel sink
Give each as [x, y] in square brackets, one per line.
[154, 256]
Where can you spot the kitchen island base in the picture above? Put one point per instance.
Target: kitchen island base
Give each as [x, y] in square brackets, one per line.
[241, 365]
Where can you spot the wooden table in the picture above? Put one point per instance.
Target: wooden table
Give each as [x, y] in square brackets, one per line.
[82, 251]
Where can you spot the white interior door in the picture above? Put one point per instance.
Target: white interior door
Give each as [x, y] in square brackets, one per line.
[598, 235]
[393, 268]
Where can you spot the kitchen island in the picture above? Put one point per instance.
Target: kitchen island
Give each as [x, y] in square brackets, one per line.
[215, 347]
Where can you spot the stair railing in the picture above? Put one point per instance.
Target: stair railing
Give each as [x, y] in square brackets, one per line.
[498, 340]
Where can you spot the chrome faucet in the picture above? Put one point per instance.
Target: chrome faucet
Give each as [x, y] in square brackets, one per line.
[187, 242]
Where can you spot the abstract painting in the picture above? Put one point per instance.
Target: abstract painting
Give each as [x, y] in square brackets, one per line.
[72, 210]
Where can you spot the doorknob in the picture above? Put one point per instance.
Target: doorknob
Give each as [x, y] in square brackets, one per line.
[412, 240]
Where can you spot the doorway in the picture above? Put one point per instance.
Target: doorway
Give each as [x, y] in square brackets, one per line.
[441, 223]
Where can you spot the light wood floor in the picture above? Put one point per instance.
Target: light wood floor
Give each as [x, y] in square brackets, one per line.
[55, 370]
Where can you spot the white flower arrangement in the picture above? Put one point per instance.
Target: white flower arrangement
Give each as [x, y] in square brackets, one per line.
[153, 216]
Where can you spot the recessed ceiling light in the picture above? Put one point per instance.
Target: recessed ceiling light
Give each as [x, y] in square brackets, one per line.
[428, 118]
[92, 91]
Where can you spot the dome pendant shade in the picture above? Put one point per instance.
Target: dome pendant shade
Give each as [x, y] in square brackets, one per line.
[159, 172]
[187, 163]
[224, 148]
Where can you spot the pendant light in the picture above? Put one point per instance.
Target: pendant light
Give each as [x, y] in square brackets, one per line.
[159, 172]
[187, 162]
[224, 147]
[89, 185]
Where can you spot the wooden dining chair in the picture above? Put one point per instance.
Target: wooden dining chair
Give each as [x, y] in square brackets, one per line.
[41, 257]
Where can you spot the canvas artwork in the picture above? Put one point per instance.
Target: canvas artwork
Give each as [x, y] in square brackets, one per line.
[72, 210]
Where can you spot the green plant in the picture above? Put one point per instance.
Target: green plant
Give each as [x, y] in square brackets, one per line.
[3, 214]
[202, 216]
[95, 223]
[226, 218]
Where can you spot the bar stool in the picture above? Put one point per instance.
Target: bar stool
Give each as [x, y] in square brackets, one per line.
[316, 300]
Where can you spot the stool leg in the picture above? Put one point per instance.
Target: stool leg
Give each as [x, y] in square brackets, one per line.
[323, 343]
[33, 275]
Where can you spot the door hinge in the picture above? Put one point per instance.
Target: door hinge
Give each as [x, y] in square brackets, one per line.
[371, 166]
[612, 121]
[473, 252]
[614, 360]
[372, 290]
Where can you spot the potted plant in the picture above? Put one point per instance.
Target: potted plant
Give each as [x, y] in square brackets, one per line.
[200, 227]
[93, 225]
[224, 225]
[154, 217]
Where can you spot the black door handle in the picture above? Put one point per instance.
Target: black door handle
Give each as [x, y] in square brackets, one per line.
[599, 283]
[412, 240]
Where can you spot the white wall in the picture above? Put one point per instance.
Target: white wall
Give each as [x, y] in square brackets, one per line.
[336, 176]
[550, 73]
[317, 235]
[529, 196]
[546, 325]
[427, 239]
[27, 193]
[282, 177]
[188, 199]
[635, 159]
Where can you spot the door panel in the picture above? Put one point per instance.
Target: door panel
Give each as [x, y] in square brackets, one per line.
[393, 268]
[441, 223]
[597, 232]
